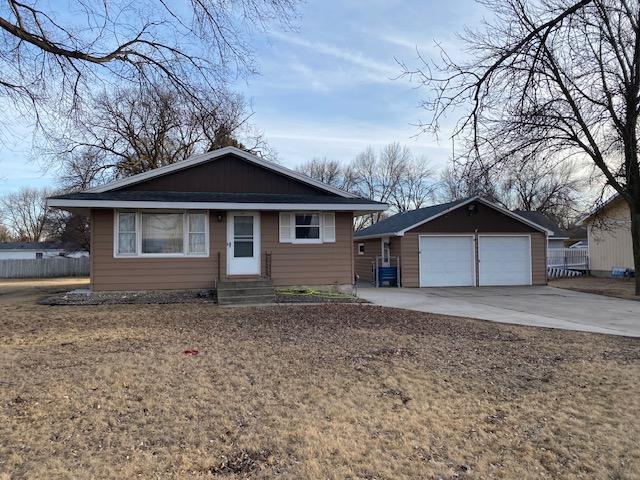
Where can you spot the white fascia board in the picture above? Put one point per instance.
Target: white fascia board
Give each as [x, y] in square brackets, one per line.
[205, 157]
[378, 235]
[597, 210]
[332, 207]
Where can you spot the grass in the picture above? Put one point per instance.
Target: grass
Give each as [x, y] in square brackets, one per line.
[309, 391]
[610, 287]
[311, 292]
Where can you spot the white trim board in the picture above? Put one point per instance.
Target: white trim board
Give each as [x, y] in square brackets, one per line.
[209, 156]
[332, 207]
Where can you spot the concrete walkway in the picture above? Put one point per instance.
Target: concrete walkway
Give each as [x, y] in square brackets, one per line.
[534, 306]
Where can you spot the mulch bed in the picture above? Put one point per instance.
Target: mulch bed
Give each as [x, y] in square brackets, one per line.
[130, 298]
[169, 297]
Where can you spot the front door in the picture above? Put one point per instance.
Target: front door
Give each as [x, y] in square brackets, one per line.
[243, 243]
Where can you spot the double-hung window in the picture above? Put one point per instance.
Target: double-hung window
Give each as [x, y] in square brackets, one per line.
[307, 227]
[151, 233]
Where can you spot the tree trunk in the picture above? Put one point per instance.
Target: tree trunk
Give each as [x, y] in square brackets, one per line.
[635, 237]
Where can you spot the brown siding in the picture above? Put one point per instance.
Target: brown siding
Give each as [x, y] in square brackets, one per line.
[364, 264]
[109, 273]
[410, 268]
[309, 264]
[301, 264]
[539, 258]
[229, 174]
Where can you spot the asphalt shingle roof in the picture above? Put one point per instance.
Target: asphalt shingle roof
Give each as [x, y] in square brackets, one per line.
[544, 221]
[400, 221]
[213, 197]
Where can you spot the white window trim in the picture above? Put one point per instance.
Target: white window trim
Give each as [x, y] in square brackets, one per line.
[361, 249]
[185, 235]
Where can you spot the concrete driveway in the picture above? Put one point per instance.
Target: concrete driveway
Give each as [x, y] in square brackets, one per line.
[535, 306]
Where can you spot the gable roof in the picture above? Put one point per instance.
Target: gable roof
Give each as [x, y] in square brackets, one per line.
[543, 220]
[596, 211]
[212, 156]
[400, 223]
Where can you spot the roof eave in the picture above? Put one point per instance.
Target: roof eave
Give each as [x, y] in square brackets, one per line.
[343, 207]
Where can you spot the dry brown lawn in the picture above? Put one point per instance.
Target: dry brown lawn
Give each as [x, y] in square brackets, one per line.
[330, 391]
[611, 287]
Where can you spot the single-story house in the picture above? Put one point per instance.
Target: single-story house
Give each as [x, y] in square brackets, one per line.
[609, 237]
[468, 242]
[223, 215]
[557, 238]
[29, 250]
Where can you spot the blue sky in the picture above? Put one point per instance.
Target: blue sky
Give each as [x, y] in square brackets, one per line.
[326, 89]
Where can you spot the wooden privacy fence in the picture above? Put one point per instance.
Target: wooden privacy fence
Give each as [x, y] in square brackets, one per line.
[45, 267]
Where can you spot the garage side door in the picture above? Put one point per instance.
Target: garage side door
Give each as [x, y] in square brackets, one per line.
[447, 261]
[504, 260]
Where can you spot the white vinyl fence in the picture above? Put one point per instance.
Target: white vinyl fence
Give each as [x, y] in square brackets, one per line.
[45, 267]
[570, 258]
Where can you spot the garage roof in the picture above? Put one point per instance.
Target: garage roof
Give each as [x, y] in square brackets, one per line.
[398, 224]
[542, 219]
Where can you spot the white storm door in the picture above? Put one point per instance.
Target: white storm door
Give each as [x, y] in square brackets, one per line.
[447, 261]
[243, 243]
[504, 260]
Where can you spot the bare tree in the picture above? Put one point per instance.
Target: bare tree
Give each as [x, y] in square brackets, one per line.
[522, 183]
[415, 186]
[129, 131]
[52, 59]
[26, 213]
[459, 181]
[394, 176]
[328, 171]
[5, 234]
[557, 76]
[543, 186]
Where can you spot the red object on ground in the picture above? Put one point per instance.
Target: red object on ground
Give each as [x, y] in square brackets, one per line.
[192, 352]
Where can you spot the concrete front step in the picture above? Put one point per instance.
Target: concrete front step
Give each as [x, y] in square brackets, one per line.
[260, 282]
[245, 299]
[223, 292]
[244, 292]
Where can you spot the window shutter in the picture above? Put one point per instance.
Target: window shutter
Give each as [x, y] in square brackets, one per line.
[286, 227]
[329, 227]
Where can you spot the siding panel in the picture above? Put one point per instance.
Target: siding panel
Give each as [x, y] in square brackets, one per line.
[292, 264]
[610, 242]
[229, 174]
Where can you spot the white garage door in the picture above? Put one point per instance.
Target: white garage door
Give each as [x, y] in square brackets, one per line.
[447, 261]
[504, 260]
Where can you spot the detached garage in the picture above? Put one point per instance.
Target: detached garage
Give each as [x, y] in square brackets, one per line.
[466, 243]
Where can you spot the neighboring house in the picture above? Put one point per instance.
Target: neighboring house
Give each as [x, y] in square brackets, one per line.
[577, 238]
[469, 242]
[222, 215]
[29, 250]
[609, 237]
[557, 238]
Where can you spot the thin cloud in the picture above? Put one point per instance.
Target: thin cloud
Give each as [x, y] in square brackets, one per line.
[355, 58]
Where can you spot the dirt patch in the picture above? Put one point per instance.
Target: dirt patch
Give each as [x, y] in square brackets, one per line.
[611, 287]
[308, 391]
